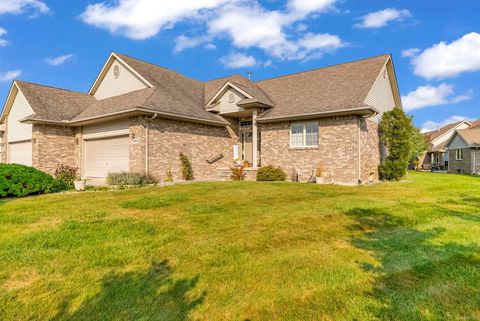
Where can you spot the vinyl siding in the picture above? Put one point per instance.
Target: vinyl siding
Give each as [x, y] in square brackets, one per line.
[230, 107]
[107, 129]
[457, 143]
[20, 109]
[381, 95]
[125, 83]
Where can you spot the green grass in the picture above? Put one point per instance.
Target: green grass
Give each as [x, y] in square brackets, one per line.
[246, 251]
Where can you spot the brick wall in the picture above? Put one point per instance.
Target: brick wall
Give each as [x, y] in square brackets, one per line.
[167, 138]
[53, 145]
[337, 150]
[459, 166]
[371, 150]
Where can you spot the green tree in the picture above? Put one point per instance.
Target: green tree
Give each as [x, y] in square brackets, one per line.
[419, 146]
[397, 130]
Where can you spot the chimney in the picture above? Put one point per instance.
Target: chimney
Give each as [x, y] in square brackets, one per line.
[249, 73]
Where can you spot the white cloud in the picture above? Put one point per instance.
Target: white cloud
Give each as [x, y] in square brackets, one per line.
[426, 96]
[433, 125]
[20, 6]
[9, 75]
[3, 42]
[210, 46]
[142, 19]
[3, 32]
[410, 52]
[245, 22]
[381, 18]
[449, 60]
[254, 27]
[60, 60]
[238, 60]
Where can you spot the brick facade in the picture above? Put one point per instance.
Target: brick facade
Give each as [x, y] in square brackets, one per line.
[338, 150]
[464, 166]
[371, 151]
[53, 145]
[167, 138]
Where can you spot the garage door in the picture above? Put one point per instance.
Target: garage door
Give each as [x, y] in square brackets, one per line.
[106, 155]
[20, 153]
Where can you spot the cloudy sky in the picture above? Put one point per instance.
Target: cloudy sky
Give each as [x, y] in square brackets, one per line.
[435, 44]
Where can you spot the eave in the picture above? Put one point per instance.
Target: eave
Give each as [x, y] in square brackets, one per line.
[364, 112]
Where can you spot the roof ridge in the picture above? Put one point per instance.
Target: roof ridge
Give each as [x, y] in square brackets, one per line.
[51, 87]
[326, 67]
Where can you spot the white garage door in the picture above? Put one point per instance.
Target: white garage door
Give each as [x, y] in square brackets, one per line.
[106, 155]
[20, 153]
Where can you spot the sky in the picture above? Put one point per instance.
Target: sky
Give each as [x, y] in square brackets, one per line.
[435, 44]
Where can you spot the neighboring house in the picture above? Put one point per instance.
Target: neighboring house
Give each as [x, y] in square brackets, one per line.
[138, 117]
[464, 150]
[436, 156]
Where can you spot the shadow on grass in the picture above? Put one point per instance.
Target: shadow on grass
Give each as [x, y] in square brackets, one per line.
[418, 277]
[152, 295]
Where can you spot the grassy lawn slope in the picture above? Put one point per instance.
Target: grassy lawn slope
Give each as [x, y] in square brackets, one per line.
[246, 251]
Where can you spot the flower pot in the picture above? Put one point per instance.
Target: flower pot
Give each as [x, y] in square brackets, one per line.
[319, 180]
[80, 185]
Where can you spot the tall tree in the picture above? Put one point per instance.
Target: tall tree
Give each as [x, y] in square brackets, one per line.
[397, 130]
[419, 146]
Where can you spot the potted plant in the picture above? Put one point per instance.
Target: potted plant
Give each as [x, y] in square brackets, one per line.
[319, 174]
[79, 184]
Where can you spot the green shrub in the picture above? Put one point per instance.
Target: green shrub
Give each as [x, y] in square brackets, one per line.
[270, 173]
[186, 167]
[65, 176]
[130, 178]
[168, 176]
[19, 180]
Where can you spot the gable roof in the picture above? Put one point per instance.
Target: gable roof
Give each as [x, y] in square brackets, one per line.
[213, 87]
[54, 104]
[434, 134]
[475, 123]
[335, 88]
[470, 135]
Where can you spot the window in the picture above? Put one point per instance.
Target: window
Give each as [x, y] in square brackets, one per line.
[459, 154]
[304, 134]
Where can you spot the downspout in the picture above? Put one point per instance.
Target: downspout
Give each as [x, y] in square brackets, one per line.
[147, 142]
[472, 159]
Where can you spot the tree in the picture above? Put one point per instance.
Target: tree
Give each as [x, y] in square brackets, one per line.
[419, 146]
[397, 133]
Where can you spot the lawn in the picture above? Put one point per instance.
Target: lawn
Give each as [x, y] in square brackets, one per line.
[246, 251]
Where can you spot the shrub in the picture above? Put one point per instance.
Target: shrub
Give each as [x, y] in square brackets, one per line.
[65, 176]
[168, 176]
[19, 180]
[397, 133]
[270, 173]
[238, 173]
[319, 170]
[186, 167]
[130, 178]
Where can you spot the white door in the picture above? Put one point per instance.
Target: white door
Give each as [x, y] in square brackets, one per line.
[20, 153]
[106, 155]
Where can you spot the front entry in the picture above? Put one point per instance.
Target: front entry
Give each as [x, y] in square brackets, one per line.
[247, 147]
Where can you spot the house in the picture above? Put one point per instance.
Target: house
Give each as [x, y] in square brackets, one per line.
[138, 117]
[436, 156]
[464, 150]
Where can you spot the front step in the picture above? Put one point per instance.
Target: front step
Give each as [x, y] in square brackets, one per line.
[224, 174]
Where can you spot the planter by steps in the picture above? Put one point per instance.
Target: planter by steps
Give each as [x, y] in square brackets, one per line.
[319, 180]
[80, 185]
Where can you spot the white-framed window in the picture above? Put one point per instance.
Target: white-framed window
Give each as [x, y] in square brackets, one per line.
[304, 134]
[459, 154]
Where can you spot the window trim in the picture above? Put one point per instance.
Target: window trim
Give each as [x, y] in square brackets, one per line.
[459, 154]
[304, 137]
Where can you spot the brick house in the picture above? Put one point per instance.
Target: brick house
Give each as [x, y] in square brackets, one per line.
[464, 150]
[436, 157]
[139, 116]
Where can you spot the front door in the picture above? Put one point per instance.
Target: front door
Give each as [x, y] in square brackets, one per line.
[247, 147]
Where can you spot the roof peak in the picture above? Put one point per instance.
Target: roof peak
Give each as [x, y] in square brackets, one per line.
[50, 87]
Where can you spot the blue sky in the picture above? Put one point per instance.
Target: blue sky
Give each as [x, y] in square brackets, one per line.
[435, 44]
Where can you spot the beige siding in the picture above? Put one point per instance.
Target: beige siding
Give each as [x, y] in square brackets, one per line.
[126, 82]
[20, 109]
[381, 95]
[227, 106]
[107, 129]
[448, 134]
